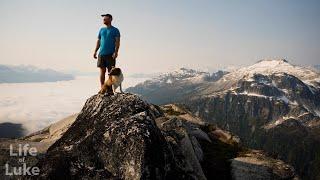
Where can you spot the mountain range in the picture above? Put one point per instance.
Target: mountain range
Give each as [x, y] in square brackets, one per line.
[271, 105]
[28, 73]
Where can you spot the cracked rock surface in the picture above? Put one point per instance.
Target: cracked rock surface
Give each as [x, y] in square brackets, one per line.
[112, 137]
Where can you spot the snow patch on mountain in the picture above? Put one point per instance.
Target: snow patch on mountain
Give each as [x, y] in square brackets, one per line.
[317, 112]
[251, 94]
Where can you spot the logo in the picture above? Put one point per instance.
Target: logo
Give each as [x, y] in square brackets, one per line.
[22, 151]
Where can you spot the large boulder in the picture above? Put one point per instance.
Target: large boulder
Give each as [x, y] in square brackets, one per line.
[112, 137]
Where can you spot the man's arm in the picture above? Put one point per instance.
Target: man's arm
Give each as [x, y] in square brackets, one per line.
[117, 46]
[97, 47]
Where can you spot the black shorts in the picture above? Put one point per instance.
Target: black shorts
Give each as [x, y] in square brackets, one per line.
[106, 61]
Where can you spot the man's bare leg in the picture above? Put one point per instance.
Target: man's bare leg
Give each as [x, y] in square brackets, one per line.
[102, 75]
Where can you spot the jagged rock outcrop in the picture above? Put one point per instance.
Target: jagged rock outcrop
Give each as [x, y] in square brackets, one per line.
[113, 137]
[215, 153]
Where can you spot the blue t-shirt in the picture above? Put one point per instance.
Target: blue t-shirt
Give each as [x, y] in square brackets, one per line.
[107, 36]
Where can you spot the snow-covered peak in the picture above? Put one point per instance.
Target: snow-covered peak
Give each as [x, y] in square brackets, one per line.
[180, 74]
[186, 72]
[271, 66]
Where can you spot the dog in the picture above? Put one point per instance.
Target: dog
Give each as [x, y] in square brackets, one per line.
[114, 81]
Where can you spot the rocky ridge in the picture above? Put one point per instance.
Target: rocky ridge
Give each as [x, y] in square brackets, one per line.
[124, 137]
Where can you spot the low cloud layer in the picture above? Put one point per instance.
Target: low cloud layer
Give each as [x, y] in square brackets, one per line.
[37, 105]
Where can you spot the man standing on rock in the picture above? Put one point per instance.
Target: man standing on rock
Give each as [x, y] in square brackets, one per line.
[109, 43]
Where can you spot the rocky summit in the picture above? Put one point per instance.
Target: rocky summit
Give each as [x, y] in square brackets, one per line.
[112, 137]
[124, 137]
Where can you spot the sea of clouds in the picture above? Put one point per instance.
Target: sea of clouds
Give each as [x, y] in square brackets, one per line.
[37, 105]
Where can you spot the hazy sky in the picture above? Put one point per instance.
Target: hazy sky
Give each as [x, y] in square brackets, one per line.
[160, 35]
